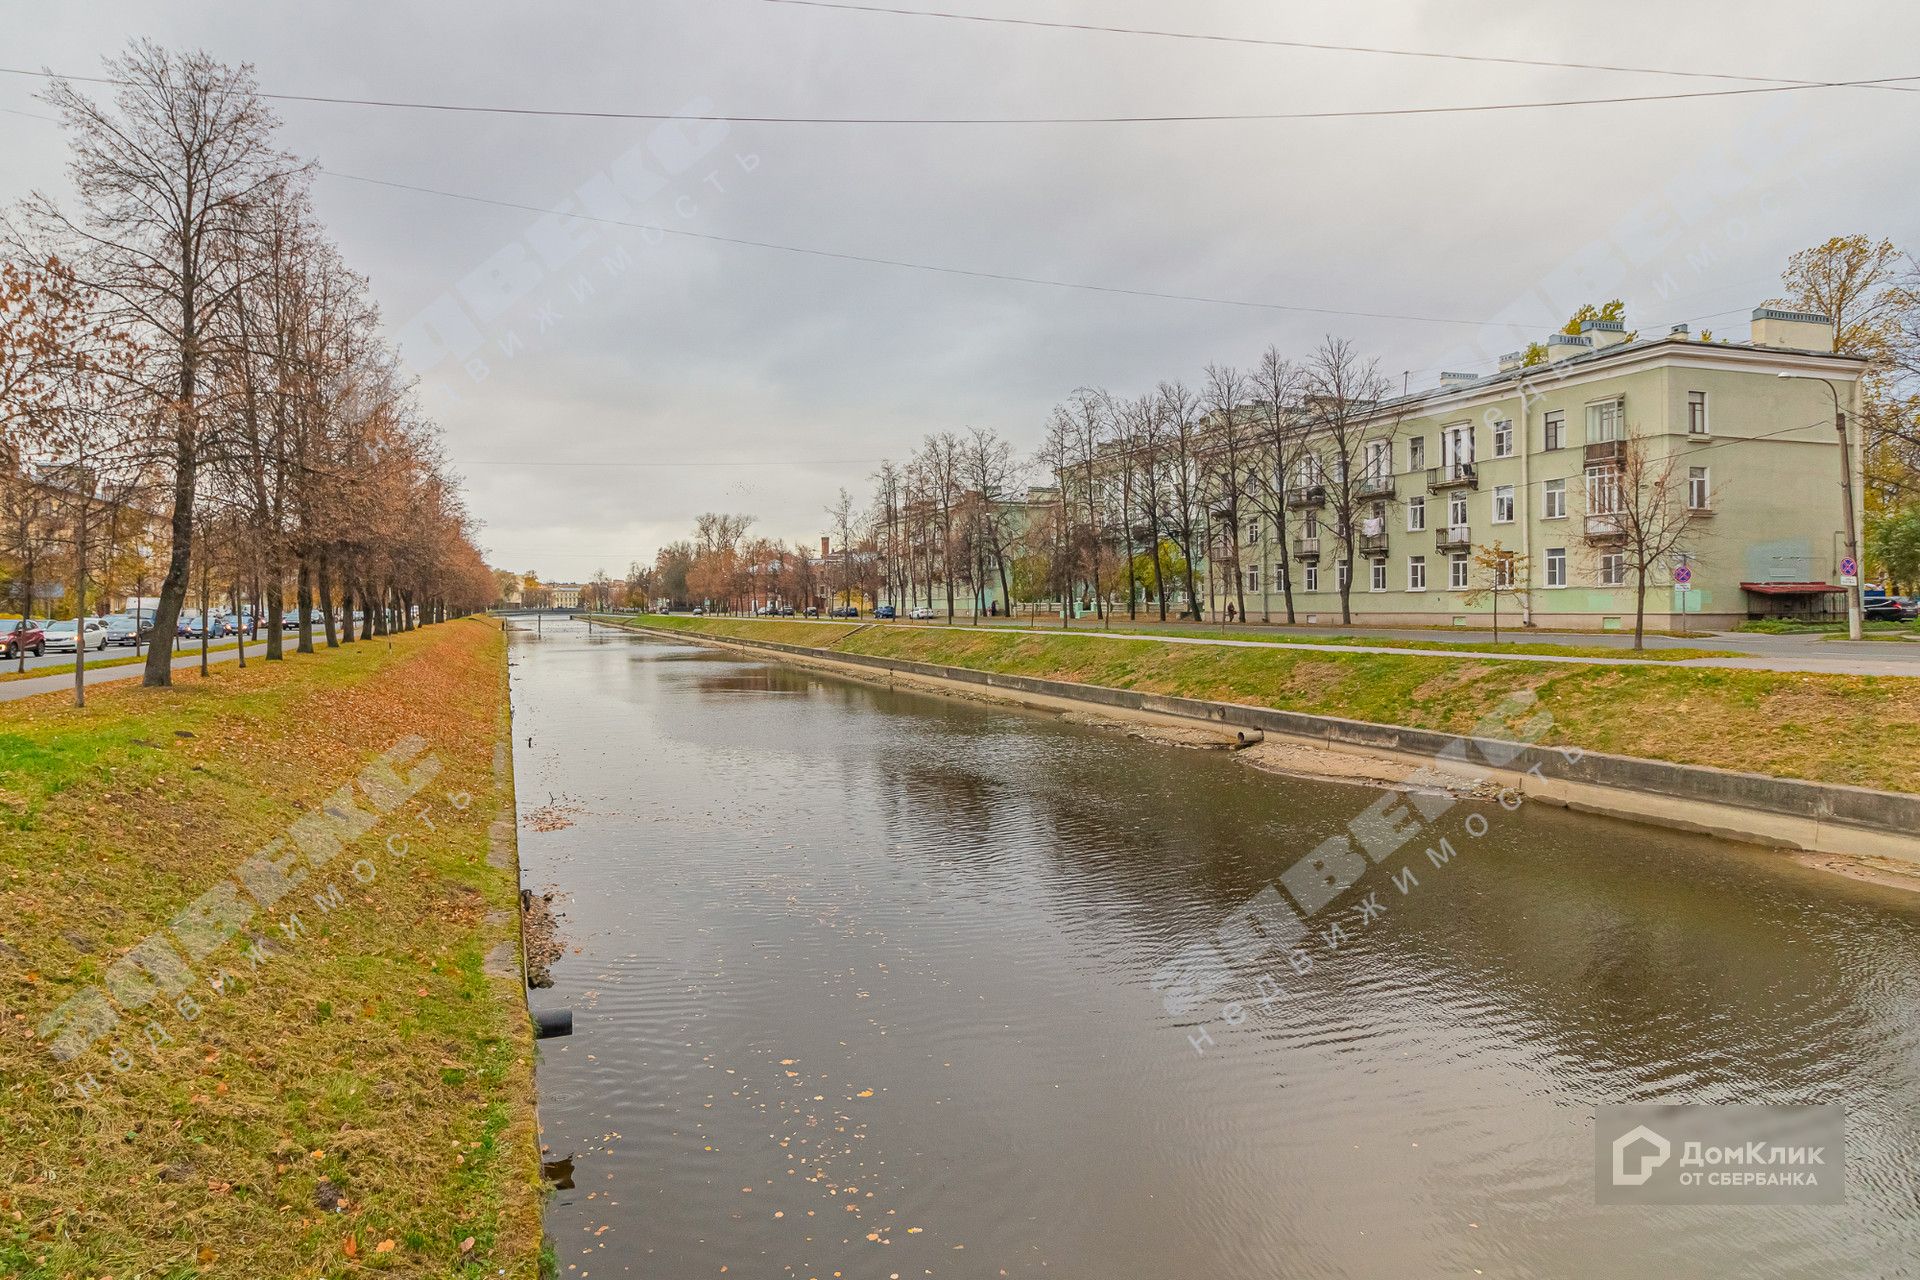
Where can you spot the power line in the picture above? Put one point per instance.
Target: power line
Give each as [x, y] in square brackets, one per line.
[1315, 46]
[1357, 113]
[907, 265]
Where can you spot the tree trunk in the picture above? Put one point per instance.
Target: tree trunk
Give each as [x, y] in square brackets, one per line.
[173, 588]
[240, 635]
[276, 613]
[303, 601]
[1640, 609]
[326, 600]
[80, 607]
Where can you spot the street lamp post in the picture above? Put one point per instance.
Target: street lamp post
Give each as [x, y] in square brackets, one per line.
[1846, 498]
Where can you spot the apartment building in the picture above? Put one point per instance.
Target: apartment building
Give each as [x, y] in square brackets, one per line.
[1528, 457]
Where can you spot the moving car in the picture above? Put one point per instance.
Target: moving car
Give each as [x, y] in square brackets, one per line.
[1886, 609]
[124, 630]
[22, 635]
[67, 636]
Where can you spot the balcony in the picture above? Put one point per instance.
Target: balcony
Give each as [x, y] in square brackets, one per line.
[1373, 544]
[1453, 475]
[1604, 528]
[1454, 538]
[1313, 495]
[1372, 486]
[1306, 548]
[1606, 451]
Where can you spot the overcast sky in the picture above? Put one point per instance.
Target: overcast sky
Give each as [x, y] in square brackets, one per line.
[566, 359]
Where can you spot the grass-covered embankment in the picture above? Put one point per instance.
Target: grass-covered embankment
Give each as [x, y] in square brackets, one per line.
[354, 1094]
[1826, 728]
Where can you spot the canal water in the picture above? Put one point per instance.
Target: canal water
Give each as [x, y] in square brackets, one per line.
[863, 987]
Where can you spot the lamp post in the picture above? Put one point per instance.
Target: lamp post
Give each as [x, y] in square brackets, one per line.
[1846, 498]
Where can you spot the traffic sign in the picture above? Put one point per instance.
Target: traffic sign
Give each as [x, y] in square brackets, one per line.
[1848, 568]
[1682, 574]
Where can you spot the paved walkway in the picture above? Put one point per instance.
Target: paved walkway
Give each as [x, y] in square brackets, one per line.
[1761, 652]
[13, 690]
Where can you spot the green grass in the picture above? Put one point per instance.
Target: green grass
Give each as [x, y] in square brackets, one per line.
[1878, 629]
[374, 1052]
[1829, 728]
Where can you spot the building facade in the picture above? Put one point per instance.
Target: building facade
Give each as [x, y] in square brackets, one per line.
[1529, 458]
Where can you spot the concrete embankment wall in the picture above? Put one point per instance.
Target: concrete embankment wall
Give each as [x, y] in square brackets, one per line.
[1781, 812]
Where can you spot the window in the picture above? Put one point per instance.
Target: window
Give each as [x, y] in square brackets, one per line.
[1416, 513]
[1696, 413]
[1556, 566]
[1456, 445]
[1379, 579]
[1603, 491]
[1605, 422]
[1417, 452]
[1457, 571]
[1613, 569]
[1503, 439]
[1340, 573]
[1313, 577]
[1699, 494]
[1253, 578]
[1379, 461]
[1416, 573]
[1312, 529]
[1456, 511]
[1253, 532]
[1504, 569]
[1306, 472]
[1502, 505]
[1554, 436]
[1279, 572]
[1553, 500]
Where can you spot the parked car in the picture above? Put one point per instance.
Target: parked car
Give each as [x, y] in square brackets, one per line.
[884, 611]
[67, 636]
[786, 611]
[813, 611]
[22, 635]
[1886, 609]
[922, 614]
[698, 611]
[844, 611]
[125, 630]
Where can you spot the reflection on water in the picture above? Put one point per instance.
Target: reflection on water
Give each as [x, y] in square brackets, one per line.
[862, 988]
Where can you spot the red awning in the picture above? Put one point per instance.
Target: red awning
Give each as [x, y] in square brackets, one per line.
[1790, 588]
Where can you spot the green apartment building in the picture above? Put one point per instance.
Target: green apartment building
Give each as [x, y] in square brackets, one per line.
[1529, 456]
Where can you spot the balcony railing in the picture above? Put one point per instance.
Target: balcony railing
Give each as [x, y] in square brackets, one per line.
[1373, 544]
[1457, 537]
[1312, 495]
[1373, 486]
[1604, 526]
[1605, 451]
[1306, 548]
[1452, 475]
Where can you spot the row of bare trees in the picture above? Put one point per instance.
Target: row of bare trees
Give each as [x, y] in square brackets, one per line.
[189, 365]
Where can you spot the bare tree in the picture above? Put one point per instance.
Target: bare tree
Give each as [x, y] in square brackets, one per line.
[1182, 514]
[1343, 395]
[169, 178]
[1232, 473]
[1640, 506]
[1281, 438]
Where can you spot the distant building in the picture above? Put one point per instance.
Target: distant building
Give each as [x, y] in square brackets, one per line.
[565, 595]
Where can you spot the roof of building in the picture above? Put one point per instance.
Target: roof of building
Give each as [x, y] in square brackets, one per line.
[1789, 588]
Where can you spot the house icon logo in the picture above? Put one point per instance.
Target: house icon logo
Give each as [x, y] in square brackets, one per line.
[1641, 1150]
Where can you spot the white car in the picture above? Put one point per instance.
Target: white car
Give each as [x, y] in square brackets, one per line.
[922, 614]
[61, 635]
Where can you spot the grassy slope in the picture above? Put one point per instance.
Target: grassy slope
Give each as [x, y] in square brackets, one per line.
[374, 1052]
[1850, 729]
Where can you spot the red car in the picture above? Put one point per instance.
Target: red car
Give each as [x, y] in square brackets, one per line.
[22, 635]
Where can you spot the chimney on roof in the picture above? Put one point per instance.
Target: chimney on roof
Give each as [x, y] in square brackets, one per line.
[1457, 379]
[823, 546]
[1604, 333]
[1512, 360]
[1798, 330]
[1679, 331]
[1561, 346]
